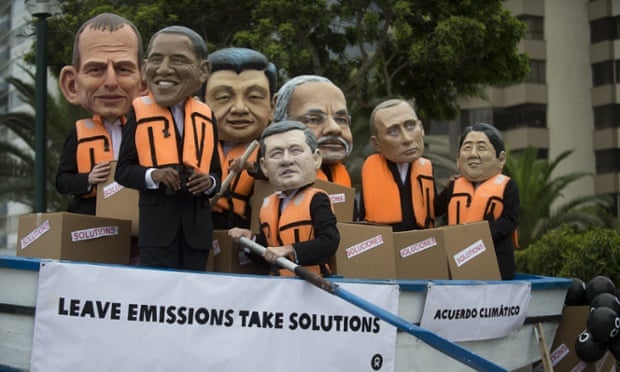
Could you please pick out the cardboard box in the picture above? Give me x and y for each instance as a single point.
(116, 201)
(229, 257)
(563, 356)
(470, 251)
(463, 252)
(365, 251)
(342, 198)
(78, 237)
(210, 261)
(262, 189)
(420, 254)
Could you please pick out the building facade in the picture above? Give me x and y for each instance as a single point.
(15, 41)
(571, 99)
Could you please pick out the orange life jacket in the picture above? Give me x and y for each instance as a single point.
(339, 175)
(94, 145)
(292, 225)
(241, 186)
(381, 197)
(469, 204)
(157, 139)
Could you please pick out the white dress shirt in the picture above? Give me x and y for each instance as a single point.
(115, 130)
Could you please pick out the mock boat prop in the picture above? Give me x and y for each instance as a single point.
(415, 348)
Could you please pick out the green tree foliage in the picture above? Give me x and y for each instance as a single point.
(17, 148)
(216, 20)
(567, 252)
(430, 50)
(540, 190)
(433, 50)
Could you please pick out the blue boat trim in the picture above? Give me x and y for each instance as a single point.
(5, 368)
(537, 281)
(20, 263)
(16, 309)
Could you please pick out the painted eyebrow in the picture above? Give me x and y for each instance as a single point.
(256, 87)
(403, 123)
(93, 63)
(316, 111)
(231, 87)
(475, 143)
(319, 111)
(126, 63)
(178, 55)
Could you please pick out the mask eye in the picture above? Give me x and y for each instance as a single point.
(342, 120)
(393, 131)
(314, 119)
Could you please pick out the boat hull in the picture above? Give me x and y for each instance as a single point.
(18, 291)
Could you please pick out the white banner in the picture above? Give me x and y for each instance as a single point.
(109, 318)
(475, 312)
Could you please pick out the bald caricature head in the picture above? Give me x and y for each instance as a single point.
(105, 74)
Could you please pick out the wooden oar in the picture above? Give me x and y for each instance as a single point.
(233, 173)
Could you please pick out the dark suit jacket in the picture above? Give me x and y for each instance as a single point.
(163, 216)
(70, 182)
(326, 236)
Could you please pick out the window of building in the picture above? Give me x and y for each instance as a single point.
(607, 116)
(540, 153)
(438, 127)
(530, 115)
(4, 97)
(3, 222)
(473, 116)
(535, 27)
(4, 104)
(607, 161)
(614, 208)
(15, 99)
(603, 73)
(603, 29)
(5, 56)
(5, 24)
(616, 64)
(538, 71)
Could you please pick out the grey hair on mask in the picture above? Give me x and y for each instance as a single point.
(286, 126)
(284, 94)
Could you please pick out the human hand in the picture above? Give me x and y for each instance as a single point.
(168, 176)
(237, 233)
(272, 254)
(99, 173)
(198, 183)
(236, 166)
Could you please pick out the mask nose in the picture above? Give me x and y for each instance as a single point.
(331, 127)
(111, 80)
(239, 105)
(164, 66)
